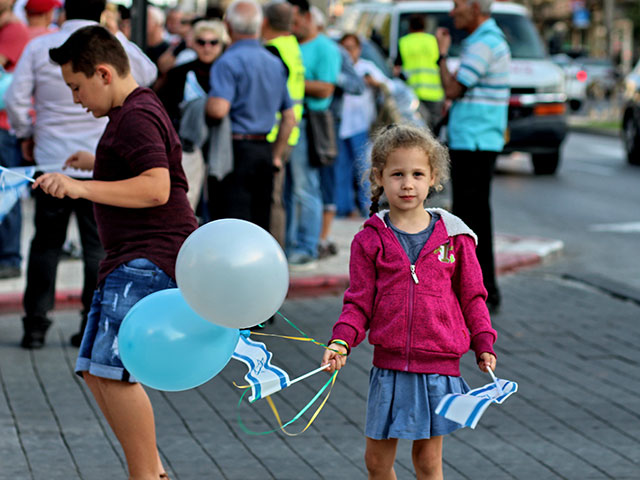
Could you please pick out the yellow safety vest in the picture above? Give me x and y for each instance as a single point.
(419, 52)
(291, 55)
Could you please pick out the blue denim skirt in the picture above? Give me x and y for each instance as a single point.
(120, 291)
(403, 404)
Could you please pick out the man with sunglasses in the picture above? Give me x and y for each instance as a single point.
(249, 84)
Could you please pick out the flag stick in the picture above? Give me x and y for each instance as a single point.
(307, 375)
(495, 380)
(8, 170)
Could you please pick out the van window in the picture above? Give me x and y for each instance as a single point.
(521, 35)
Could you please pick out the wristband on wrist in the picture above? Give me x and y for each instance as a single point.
(441, 57)
(343, 343)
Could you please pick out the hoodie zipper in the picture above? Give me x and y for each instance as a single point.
(410, 314)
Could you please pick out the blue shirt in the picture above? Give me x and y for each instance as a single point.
(254, 82)
(477, 120)
(322, 61)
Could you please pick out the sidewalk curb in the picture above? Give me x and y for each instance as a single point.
(299, 287)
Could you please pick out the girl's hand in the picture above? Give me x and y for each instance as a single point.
(487, 360)
(59, 186)
(336, 356)
(81, 160)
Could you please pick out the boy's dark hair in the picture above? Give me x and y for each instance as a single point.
(303, 5)
(84, 9)
(88, 47)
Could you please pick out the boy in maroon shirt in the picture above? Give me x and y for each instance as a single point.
(143, 216)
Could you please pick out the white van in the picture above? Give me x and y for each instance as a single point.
(537, 108)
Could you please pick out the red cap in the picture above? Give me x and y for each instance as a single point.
(41, 6)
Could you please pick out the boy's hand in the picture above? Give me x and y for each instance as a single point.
(335, 356)
(487, 360)
(80, 160)
(59, 185)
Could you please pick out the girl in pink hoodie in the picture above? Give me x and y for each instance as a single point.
(416, 286)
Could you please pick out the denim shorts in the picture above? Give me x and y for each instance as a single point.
(402, 404)
(120, 291)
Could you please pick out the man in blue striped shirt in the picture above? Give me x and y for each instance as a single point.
(479, 91)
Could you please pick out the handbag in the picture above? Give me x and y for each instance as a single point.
(321, 138)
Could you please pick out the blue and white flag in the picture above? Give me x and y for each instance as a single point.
(14, 183)
(263, 377)
(467, 408)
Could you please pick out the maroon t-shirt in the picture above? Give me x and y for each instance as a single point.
(138, 137)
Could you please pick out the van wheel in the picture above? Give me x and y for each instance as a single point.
(631, 140)
(545, 163)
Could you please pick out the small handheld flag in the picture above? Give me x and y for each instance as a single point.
(263, 377)
(467, 408)
(13, 185)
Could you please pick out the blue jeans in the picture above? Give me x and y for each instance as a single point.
(120, 291)
(303, 200)
(350, 167)
(11, 225)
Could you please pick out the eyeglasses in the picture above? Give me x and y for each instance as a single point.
(202, 42)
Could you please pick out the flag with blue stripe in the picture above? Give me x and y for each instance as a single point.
(14, 183)
(467, 408)
(263, 377)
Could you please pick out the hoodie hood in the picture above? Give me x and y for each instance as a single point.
(452, 224)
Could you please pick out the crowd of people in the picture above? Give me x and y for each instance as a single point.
(215, 125)
(255, 113)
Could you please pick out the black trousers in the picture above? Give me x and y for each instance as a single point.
(51, 221)
(245, 193)
(471, 173)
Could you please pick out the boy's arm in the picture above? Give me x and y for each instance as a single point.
(149, 189)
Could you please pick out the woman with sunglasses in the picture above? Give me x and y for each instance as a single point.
(209, 40)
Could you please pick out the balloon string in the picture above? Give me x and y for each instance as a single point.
(330, 383)
(300, 339)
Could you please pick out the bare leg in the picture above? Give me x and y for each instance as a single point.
(379, 458)
(128, 410)
(327, 220)
(427, 458)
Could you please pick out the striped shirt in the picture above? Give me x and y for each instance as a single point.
(478, 119)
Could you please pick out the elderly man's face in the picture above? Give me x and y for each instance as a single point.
(463, 14)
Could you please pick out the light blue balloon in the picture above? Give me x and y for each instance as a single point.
(167, 346)
(232, 273)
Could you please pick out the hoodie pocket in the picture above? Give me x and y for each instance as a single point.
(388, 327)
(438, 324)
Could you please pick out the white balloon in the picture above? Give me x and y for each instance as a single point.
(232, 273)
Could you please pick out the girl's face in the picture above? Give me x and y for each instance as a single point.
(406, 179)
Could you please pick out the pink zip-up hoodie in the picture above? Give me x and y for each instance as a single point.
(421, 318)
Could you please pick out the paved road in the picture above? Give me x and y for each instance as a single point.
(572, 349)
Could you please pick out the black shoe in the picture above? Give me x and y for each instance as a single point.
(327, 249)
(9, 271)
(35, 330)
(76, 339)
(33, 339)
(493, 302)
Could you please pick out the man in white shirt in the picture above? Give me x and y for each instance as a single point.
(61, 129)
